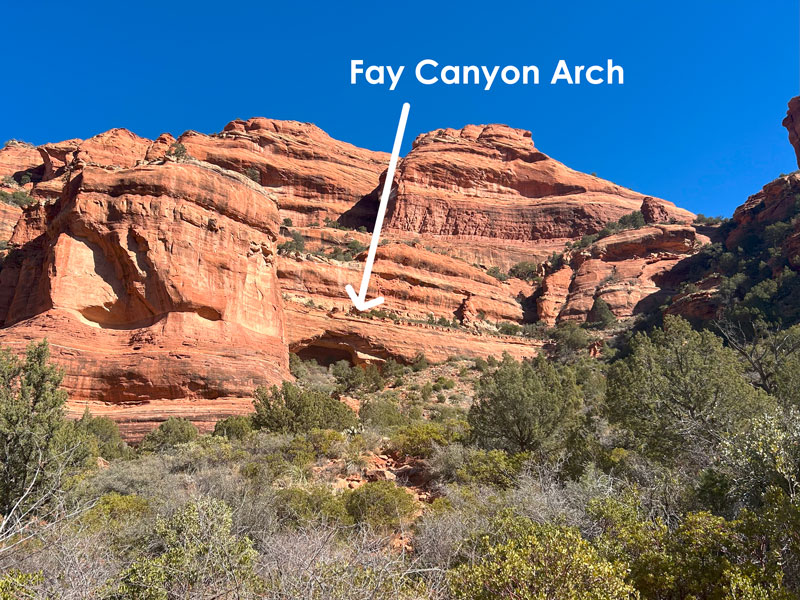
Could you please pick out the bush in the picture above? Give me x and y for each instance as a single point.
(296, 244)
(525, 270)
(527, 406)
(169, 434)
(178, 152)
(106, 435)
(536, 562)
(17, 198)
(195, 549)
(497, 273)
(420, 363)
(351, 379)
(382, 413)
(380, 504)
(420, 439)
(302, 507)
(234, 428)
(290, 409)
(601, 313)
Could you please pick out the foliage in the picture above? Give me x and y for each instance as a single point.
(634, 220)
(106, 436)
(601, 314)
(170, 433)
(525, 270)
(351, 379)
(421, 438)
(178, 152)
(679, 390)
(19, 198)
(304, 506)
(37, 446)
(296, 244)
(527, 406)
(194, 551)
(293, 409)
(234, 428)
(380, 504)
(525, 560)
(497, 273)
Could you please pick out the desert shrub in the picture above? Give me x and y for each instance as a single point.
(538, 561)
(17, 198)
(178, 152)
(170, 433)
(237, 427)
(253, 174)
(380, 504)
(15, 585)
(601, 313)
(506, 328)
(327, 442)
(420, 363)
(569, 338)
(679, 390)
(419, 439)
(38, 447)
(296, 244)
(287, 222)
(293, 409)
(473, 466)
(443, 383)
(525, 270)
(306, 506)
(634, 220)
(351, 379)
(497, 273)
(105, 436)
(382, 413)
(525, 406)
(195, 549)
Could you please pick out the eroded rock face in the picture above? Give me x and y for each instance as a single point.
(775, 202)
(626, 270)
(9, 215)
(156, 282)
(792, 124)
(18, 159)
(490, 182)
(313, 176)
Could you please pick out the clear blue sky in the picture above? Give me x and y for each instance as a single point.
(697, 120)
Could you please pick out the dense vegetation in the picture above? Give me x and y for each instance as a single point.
(671, 472)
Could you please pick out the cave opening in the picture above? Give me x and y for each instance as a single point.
(325, 354)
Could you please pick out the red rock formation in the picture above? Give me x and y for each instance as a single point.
(490, 182)
(792, 124)
(626, 270)
(151, 283)
(775, 202)
(313, 176)
(18, 159)
(9, 215)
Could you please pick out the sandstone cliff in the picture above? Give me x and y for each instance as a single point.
(152, 266)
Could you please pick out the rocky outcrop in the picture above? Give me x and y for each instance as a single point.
(154, 283)
(21, 162)
(626, 270)
(9, 215)
(313, 176)
(792, 124)
(490, 182)
(777, 201)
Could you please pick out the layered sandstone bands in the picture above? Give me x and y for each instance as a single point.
(156, 280)
(491, 182)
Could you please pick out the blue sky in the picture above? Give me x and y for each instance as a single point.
(697, 121)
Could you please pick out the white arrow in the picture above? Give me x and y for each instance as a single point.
(359, 301)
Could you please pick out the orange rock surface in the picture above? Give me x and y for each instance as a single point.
(313, 176)
(157, 282)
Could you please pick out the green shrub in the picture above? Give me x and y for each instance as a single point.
(169, 434)
(17, 585)
(382, 413)
(106, 435)
(601, 313)
(16, 198)
(296, 244)
(525, 270)
(520, 559)
(419, 439)
(380, 504)
(525, 406)
(290, 409)
(420, 363)
(307, 506)
(237, 427)
(497, 273)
